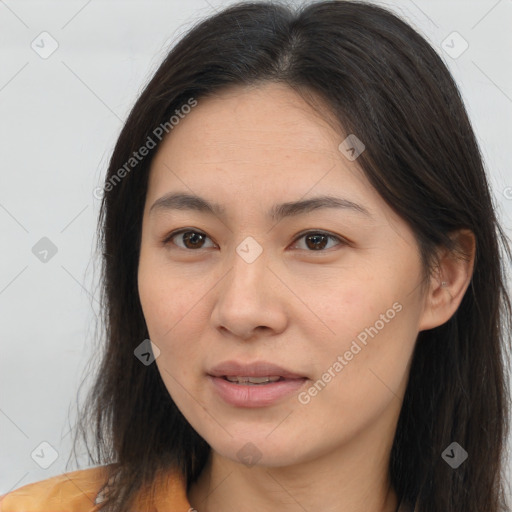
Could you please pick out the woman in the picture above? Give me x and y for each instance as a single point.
(303, 281)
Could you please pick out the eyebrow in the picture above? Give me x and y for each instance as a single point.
(183, 201)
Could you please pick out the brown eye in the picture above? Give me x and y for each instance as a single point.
(317, 241)
(193, 240)
(190, 239)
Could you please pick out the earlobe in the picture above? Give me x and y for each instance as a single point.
(450, 281)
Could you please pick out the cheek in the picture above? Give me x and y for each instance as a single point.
(172, 310)
(372, 331)
(166, 302)
(345, 307)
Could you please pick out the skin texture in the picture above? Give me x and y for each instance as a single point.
(248, 149)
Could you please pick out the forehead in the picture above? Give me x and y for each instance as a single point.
(269, 128)
(258, 143)
(262, 113)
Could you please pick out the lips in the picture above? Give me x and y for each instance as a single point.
(259, 369)
(258, 384)
(255, 395)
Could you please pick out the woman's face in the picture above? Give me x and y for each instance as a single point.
(330, 294)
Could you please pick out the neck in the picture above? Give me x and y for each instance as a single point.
(350, 479)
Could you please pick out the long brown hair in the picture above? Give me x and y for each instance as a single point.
(386, 84)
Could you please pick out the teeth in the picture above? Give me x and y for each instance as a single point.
(253, 380)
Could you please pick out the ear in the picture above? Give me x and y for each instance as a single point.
(450, 281)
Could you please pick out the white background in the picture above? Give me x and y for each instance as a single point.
(59, 119)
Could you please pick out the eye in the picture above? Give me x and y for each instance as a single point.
(191, 238)
(317, 240)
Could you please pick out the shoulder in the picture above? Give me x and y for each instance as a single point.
(69, 492)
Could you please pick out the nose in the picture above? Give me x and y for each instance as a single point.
(251, 300)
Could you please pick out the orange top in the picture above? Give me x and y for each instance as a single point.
(78, 492)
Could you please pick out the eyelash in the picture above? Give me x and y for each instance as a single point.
(168, 238)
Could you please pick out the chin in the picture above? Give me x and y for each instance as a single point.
(257, 450)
